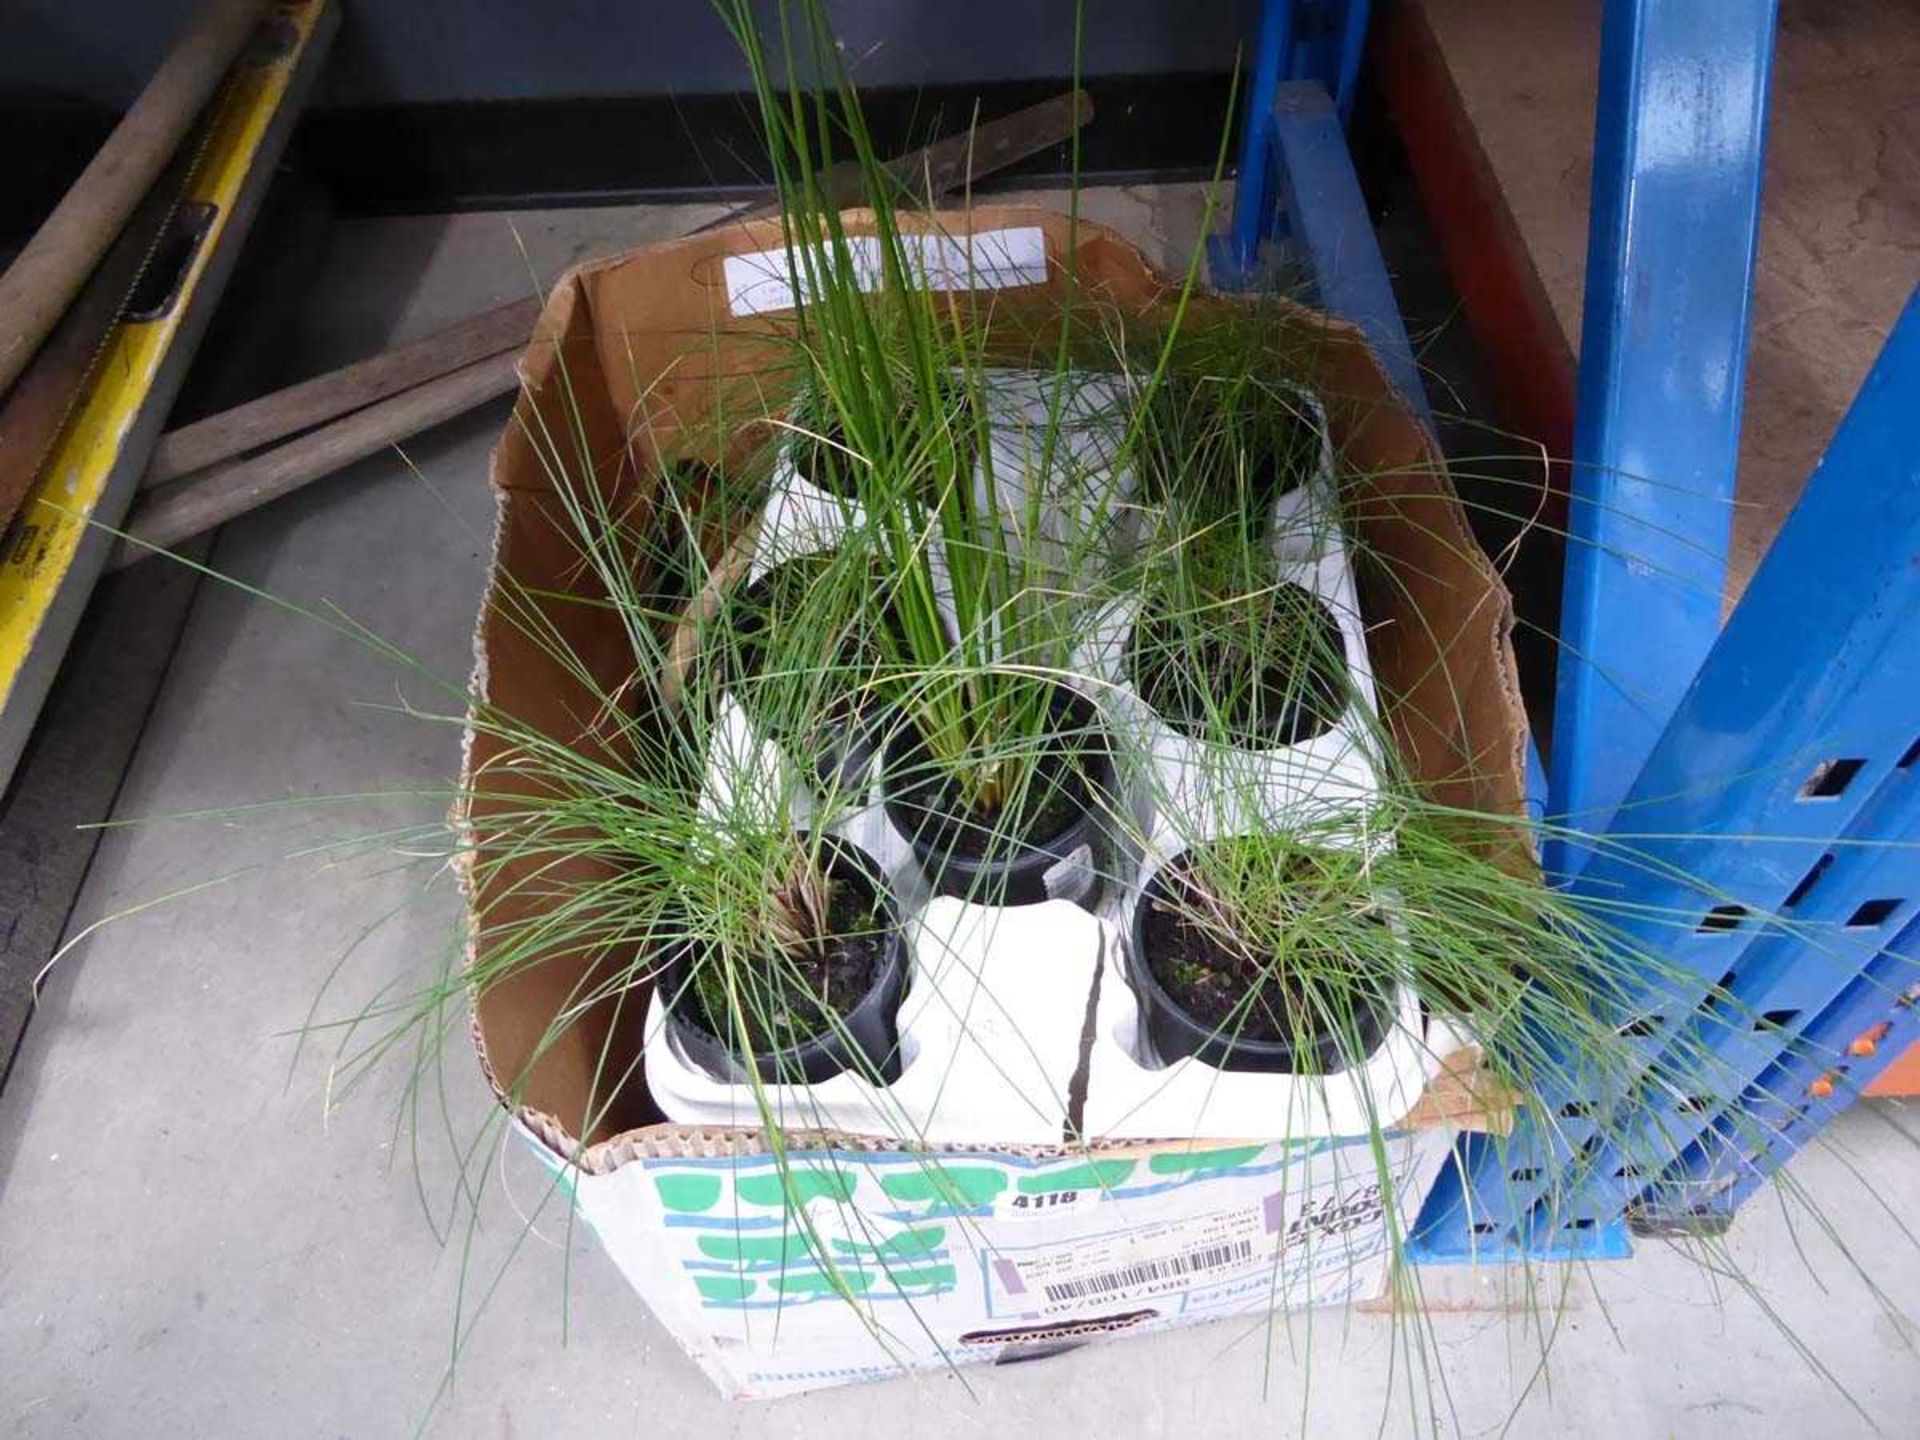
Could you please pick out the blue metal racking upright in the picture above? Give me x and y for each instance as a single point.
(1672, 238)
(1760, 780)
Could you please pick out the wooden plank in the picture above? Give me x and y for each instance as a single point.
(191, 506)
(958, 160)
(934, 169)
(339, 392)
(403, 391)
(952, 162)
(213, 497)
(49, 272)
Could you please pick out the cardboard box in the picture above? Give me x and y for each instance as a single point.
(949, 1255)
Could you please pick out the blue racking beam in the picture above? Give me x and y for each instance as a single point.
(1764, 850)
(1786, 1107)
(1831, 982)
(1297, 40)
(1679, 136)
(1311, 179)
(1252, 210)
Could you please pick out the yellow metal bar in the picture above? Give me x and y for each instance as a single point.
(59, 538)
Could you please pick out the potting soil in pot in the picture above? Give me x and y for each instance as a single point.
(823, 1004)
(816, 984)
(1274, 675)
(1305, 1011)
(1044, 840)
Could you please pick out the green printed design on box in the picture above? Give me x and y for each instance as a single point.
(813, 1282)
(751, 1249)
(725, 1288)
(1186, 1162)
(795, 1188)
(688, 1194)
(1094, 1175)
(907, 1245)
(962, 1186)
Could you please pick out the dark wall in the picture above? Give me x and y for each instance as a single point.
(420, 51)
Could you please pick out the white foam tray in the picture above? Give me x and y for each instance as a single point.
(990, 1038)
(995, 1008)
(1133, 1094)
(1134, 1098)
(1180, 793)
(992, 1024)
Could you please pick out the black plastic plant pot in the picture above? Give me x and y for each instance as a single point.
(1203, 681)
(1256, 463)
(1289, 457)
(992, 863)
(822, 456)
(1176, 1032)
(840, 735)
(866, 1037)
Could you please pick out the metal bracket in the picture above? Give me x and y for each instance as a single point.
(1318, 40)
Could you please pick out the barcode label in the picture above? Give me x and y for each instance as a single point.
(1146, 1272)
(1272, 1247)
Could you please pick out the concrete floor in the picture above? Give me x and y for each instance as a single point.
(193, 1243)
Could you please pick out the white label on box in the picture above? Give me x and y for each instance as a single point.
(1169, 1256)
(990, 260)
(1127, 1265)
